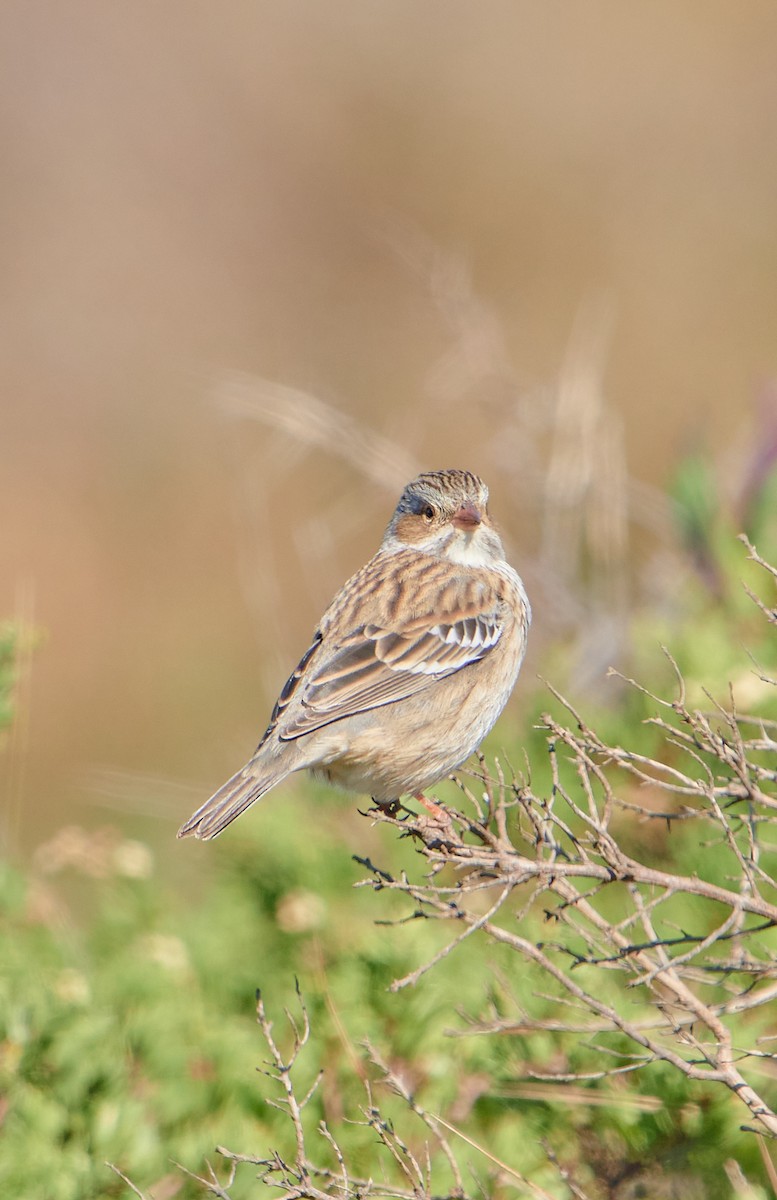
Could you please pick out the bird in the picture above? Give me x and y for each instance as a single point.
(410, 666)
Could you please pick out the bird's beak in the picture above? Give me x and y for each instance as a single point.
(468, 517)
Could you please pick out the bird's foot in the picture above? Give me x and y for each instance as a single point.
(389, 808)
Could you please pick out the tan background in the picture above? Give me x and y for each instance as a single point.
(424, 215)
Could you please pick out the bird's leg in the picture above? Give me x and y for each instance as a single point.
(429, 805)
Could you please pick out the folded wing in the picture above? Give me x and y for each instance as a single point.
(374, 666)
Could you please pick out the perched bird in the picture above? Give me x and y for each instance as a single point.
(410, 666)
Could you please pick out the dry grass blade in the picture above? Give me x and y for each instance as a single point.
(136, 1191)
(312, 422)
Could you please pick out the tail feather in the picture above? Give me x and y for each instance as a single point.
(236, 795)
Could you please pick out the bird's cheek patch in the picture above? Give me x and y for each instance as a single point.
(411, 528)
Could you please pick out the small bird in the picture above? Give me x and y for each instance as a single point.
(410, 666)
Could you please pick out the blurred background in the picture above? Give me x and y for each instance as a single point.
(263, 261)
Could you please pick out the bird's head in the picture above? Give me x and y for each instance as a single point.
(445, 513)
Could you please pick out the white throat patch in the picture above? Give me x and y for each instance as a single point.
(470, 551)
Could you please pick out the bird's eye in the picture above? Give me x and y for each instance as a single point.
(428, 513)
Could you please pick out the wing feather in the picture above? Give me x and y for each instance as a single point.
(374, 666)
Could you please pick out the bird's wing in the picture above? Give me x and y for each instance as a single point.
(375, 665)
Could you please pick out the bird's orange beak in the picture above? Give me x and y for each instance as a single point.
(467, 518)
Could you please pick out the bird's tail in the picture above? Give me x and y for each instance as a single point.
(236, 795)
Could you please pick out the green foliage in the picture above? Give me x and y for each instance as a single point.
(131, 1037)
